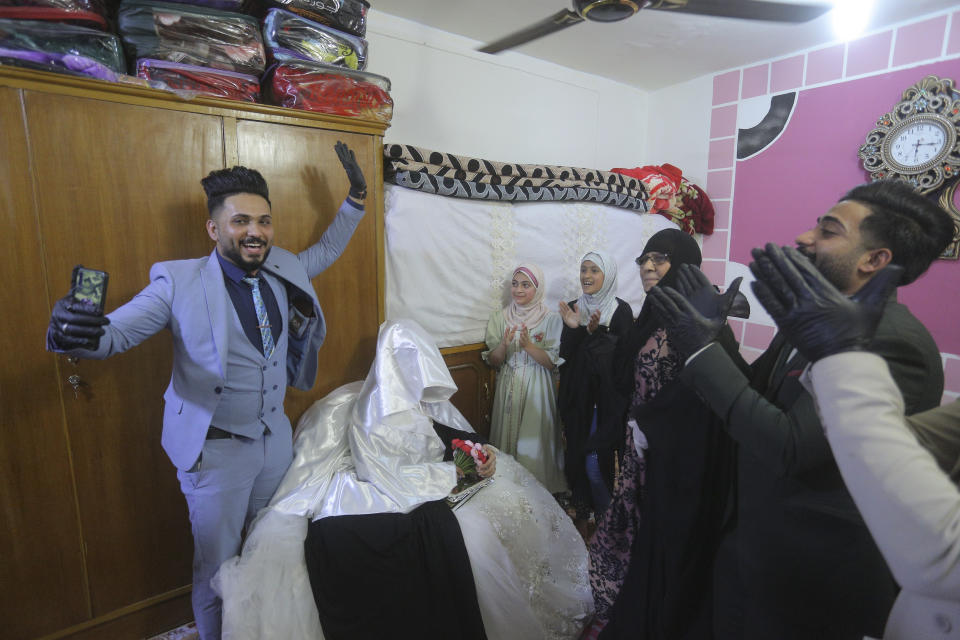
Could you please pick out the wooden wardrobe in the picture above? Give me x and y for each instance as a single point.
(95, 540)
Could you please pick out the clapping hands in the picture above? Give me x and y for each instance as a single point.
(571, 317)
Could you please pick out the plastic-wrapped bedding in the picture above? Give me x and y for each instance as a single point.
(62, 46)
(236, 6)
(192, 35)
(311, 86)
(343, 15)
(91, 13)
(289, 36)
(202, 80)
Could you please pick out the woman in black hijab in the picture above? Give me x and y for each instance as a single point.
(652, 558)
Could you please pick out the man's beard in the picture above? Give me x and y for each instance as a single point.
(247, 264)
(838, 270)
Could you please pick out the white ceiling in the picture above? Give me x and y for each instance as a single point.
(652, 49)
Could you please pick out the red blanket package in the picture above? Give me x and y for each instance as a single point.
(329, 89)
(87, 13)
(202, 80)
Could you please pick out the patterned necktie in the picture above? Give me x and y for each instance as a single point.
(263, 322)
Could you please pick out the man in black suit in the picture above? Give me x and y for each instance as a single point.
(797, 561)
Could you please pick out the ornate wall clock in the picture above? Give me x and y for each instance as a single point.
(917, 141)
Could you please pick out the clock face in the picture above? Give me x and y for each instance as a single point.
(918, 143)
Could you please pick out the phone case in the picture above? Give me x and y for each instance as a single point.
(92, 292)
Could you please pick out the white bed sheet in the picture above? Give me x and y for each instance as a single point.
(449, 260)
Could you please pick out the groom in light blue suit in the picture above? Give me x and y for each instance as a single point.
(246, 323)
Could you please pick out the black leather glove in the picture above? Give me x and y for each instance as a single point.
(74, 326)
(358, 184)
(693, 323)
(694, 285)
(814, 316)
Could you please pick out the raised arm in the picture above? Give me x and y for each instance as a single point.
(325, 252)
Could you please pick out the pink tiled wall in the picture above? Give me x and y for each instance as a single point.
(951, 375)
(754, 81)
(726, 87)
(825, 65)
(786, 74)
(721, 214)
(723, 121)
(719, 183)
(869, 54)
(715, 245)
(722, 153)
(919, 41)
(880, 65)
(953, 42)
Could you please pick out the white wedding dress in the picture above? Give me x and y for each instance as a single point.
(370, 448)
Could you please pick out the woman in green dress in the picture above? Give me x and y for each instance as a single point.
(523, 342)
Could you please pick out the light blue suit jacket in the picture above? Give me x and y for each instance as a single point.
(189, 298)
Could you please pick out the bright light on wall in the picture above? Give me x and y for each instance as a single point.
(850, 17)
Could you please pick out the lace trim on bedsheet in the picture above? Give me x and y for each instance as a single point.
(503, 251)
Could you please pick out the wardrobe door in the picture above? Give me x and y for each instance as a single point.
(307, 185)
(118, 189)
(41, 563)
(474, 380)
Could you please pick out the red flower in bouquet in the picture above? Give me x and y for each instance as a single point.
(466, 456)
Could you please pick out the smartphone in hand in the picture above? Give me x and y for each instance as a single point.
(89, 287)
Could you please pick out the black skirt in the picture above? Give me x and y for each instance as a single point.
(393, 575)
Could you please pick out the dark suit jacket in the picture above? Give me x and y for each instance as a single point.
(804, 553)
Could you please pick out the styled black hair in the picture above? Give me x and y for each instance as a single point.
(223, 183)
(914, 228)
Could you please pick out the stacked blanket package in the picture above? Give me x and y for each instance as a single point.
(208, 47)
(191, 35)
(204, 80)
(89, 13)
(349, 16)
(291, 37)
(61, 48)
(299, 84)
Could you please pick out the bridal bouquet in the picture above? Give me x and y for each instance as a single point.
(466, 456)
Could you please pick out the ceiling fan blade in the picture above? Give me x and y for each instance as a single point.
(556, 22)
(744, 9)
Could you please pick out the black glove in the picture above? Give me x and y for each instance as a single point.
(694, 285)
(74, 326)
(692, 324)
(814, 316)
(358, 184)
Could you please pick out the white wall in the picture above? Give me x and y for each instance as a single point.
(509, 107)
(679, 127)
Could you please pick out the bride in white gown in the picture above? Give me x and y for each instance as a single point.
(369, 447)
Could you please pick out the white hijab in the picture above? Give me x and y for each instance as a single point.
(372, 448)
(606, 298)
(535, 311)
